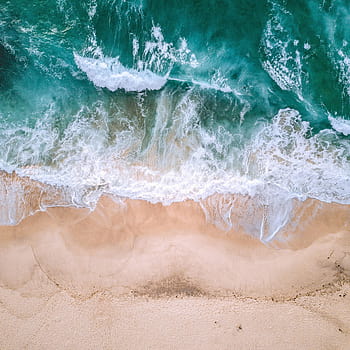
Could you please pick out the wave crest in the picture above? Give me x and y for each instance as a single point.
(109, 73)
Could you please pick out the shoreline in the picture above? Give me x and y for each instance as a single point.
(137, 243)
(84, 273)
(24, 197)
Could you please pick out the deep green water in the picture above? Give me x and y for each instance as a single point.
(169, 100)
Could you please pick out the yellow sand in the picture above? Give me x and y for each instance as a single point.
(147, 276)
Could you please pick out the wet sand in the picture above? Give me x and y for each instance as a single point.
(136, 275)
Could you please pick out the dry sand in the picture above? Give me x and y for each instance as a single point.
(147, 276)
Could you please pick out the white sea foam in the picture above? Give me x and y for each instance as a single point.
(160, 55)
(279, 164)
(283, 59)
(343, 63)
(153, 62)
(315, 167)
(341, 125)
(108, 72)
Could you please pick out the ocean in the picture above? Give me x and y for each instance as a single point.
(241, 106)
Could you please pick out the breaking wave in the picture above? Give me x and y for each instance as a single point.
(111, 74)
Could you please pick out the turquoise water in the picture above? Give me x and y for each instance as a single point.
(175, 100)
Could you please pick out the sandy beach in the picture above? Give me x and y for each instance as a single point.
(136, 275)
